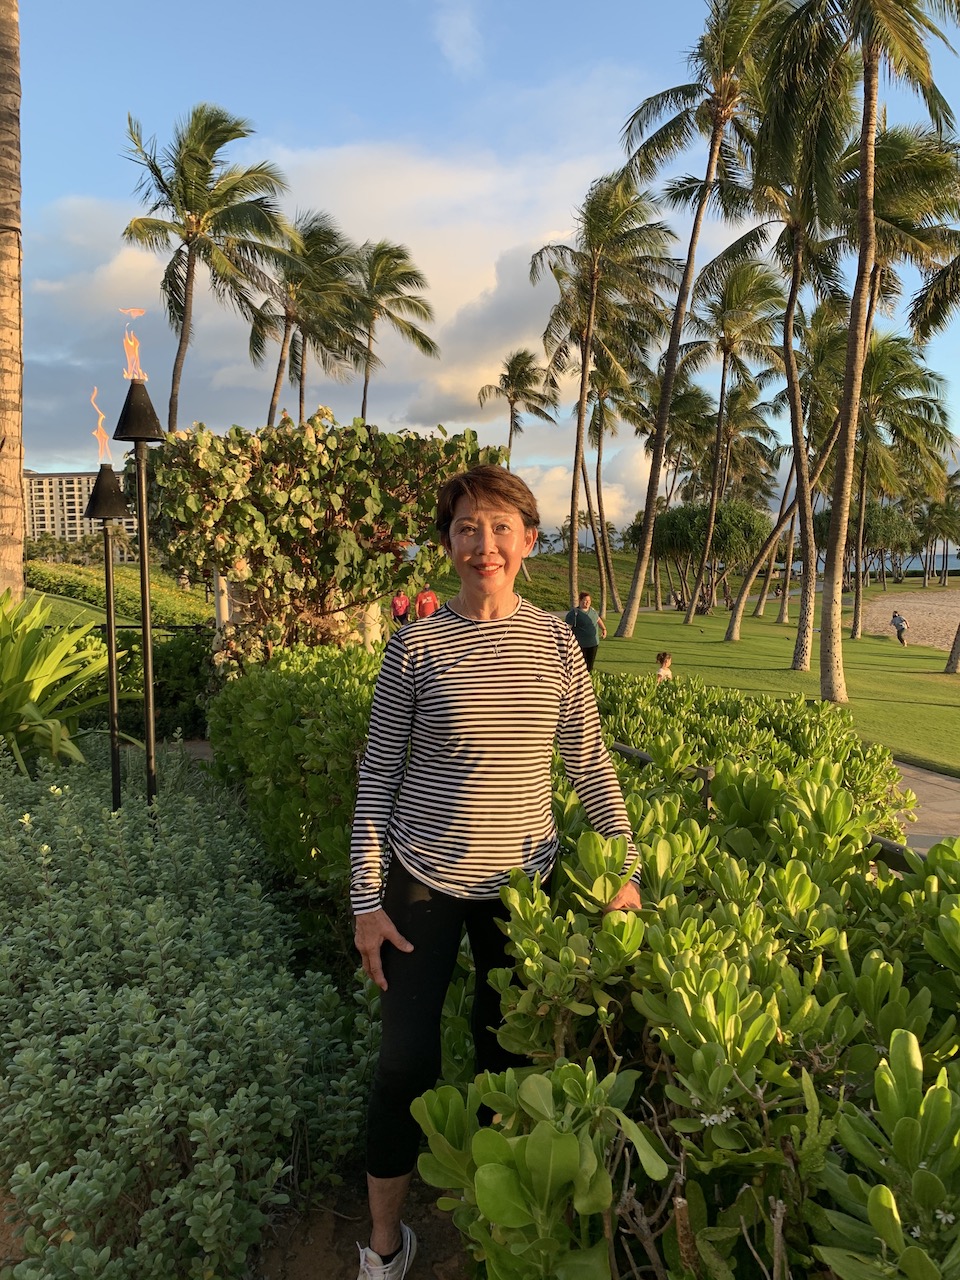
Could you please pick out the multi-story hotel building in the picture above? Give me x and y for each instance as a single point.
(55, 502)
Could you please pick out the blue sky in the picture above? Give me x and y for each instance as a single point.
(468, 130)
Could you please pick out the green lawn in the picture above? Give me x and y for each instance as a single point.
(900, 697)
(66, 612)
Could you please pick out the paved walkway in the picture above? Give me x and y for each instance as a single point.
(938, 806)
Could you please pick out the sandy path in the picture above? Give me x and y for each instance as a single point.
(933, 616)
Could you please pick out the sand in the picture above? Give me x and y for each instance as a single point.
(933, 616)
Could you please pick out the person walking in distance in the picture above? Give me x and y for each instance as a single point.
(901, 626)
(454, 794)
(400, 607)
(427, 603)
(587, 625)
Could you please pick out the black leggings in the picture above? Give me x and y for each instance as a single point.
(410, 1008)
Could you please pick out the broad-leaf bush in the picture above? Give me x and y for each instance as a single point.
(788, 1002)
(164, 1070)
(290, 734)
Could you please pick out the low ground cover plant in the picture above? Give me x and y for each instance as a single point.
(166, 1077)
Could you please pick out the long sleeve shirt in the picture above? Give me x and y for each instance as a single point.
(455, 781)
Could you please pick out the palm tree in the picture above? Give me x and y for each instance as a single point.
(618, 259)
(309, 300)
(737, 316)
(902, 429)
(725, 67)
(386, 284)
(217, 214)
(527, 388)
(815, 37)
(11, 329)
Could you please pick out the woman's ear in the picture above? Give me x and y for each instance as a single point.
(529, 541)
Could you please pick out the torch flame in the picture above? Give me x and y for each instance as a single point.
(131, 345)
(103, 442)
(132, 312)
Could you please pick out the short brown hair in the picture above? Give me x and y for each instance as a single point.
(485, 485)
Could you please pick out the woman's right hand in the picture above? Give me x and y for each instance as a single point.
(371, 931)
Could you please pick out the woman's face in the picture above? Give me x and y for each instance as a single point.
(487, 545)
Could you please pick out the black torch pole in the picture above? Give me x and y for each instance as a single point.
(113, 696)
(149, 720)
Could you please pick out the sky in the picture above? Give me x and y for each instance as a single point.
(468, 130)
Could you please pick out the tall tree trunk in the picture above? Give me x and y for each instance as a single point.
(714, 494)
(833, 686)
(856, 626)
(597, 549)
(303, 379)
(11, 310)
(771, 560)
(750, 577)
(783, 616)
(629, 619)
(604, 534)
(189, 285)
(801, 469)
(953, 661)
(281, 370)
(586, 346)
(367, 365)
(511, 432)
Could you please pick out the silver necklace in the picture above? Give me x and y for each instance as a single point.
(484, 632)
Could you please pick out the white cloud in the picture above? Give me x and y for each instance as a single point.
(457, 33)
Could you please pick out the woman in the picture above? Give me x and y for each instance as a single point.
(454, 793)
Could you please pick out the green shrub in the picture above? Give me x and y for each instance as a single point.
(166, 1078)
(48, 678)
(789, 1005)
(170, 605)
(290, 735)
(184, 680)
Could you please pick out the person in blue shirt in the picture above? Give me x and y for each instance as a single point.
(587, 625)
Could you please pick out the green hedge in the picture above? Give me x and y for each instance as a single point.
(170, 605)
(166, 1076)
(290, 735)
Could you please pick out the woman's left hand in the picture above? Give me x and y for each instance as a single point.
(628, 899)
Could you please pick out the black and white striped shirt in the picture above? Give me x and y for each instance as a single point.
(455, 781)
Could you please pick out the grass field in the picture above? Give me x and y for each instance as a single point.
(72, 613)
(900, 697)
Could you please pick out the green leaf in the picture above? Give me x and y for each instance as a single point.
(501, 1197)
(553, 1161)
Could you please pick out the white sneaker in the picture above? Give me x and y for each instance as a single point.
(373, 1268)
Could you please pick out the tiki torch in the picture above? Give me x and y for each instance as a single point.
(107, 504)
(138, 424)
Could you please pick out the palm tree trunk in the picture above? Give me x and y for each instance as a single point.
(11, 311)
(281, 370)
(303, 381)
(367, 364)
(856, 626)
(714, 494)
(953, 661)
(629, 619)
(604, 534)
(597, 548)
(833, 686)
(750, 577)
(180, 357)
(586, 346)
(783, 616)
